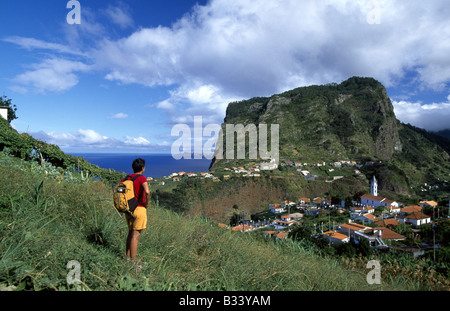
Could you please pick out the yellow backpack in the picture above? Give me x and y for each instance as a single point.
(124, 199)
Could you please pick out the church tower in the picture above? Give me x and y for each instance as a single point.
(374, 186)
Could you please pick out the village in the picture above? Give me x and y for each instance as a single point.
(374, 218)
(333, 170)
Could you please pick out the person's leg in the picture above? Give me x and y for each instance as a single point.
(132, 243)
(135, 226)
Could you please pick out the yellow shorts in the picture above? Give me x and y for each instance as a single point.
(140, 222)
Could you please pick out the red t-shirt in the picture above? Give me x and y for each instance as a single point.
(139, 192)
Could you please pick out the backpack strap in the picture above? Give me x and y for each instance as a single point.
(135, 177)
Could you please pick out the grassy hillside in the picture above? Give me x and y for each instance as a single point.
(46, 222)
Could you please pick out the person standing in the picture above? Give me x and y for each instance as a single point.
(139, 222)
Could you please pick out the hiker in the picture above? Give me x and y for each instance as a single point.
(139, 223)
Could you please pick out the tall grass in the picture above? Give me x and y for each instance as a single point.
(45, 223)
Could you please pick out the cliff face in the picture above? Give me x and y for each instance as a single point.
(354, 119)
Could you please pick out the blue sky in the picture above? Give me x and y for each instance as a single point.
(121, 80)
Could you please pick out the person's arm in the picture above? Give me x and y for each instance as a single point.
(146, 193)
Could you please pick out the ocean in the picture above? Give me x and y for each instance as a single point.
(156, 165)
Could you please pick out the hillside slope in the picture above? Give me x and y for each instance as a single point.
(46, 223)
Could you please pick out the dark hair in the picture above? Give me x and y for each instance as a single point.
(138, 165)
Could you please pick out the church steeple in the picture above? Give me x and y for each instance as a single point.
(374, 186)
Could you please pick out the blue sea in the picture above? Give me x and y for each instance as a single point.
(156, 165)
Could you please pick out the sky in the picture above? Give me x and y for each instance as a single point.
(122, 78)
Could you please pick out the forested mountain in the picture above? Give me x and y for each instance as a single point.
(353, 120)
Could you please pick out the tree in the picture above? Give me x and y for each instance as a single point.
(5, 102)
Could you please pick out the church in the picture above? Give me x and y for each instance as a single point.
(373, 199)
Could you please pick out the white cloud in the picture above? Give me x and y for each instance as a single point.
(432, 117)
(52, 75)
(237, 48)
(31, 44)
(139, 141)
(119, 15)
(119, 115)
(196, 99)
(88, 138)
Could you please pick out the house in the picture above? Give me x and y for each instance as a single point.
(296, 216)
(376, 201)
(379, 236)
(318, 200)
(161, 183)
(410, 209)
(287, 203)
(272, 165)
(336, 237)
(304, 201)
(191, 175)
(242, 228)
(4, 112)
(357, 211)
(281, 224)
(428, 203)
(389, 223)
(416, 219)
(350, 229)
(282, 235)
(176, 179)
(240, 170)
(393, 209)
(276, 209)
(367, 218)
(286, 217)
(304, 172)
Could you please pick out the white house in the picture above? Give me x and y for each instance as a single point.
(269, 166)
(362, 209)
(4, 113)
(336, 237)
(376, 201)
(351, 229)
(304, 201)
(276, 209)
(393, 209)
(281, 224)
(416, 219)
(287, 204)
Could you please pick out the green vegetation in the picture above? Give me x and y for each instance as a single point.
(46, 222)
